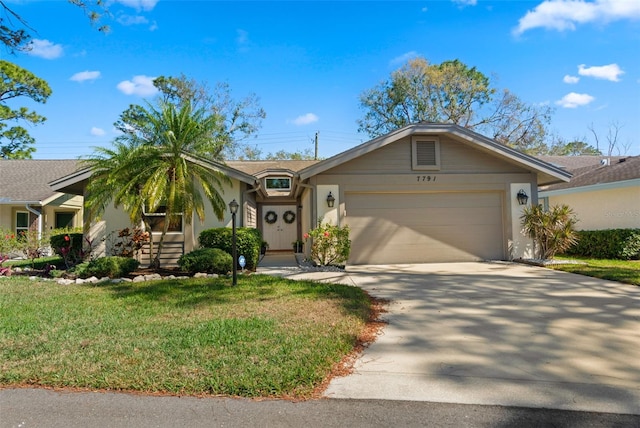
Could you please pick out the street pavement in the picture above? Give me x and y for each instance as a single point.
(40, 408)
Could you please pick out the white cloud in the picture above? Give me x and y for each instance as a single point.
(44, 49)
(607, 72)
(153, 26)
(571, 79)
(140, 85)
(139, 4)
(305, 119)
(566, 14)
(132, 20)
(85, 75)
(403, 58)
(98, 132)
(573, 100)
(465, 2)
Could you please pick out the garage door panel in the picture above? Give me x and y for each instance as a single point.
(426, 216)
(415, 228)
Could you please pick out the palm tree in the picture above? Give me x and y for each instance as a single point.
(153, 166)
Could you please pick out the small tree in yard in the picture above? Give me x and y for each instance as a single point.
(552, 231)
(331, 244)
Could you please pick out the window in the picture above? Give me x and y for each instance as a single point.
(157, 219)
(22, 222)
(64, 220)
(278, 183)
(425, 153)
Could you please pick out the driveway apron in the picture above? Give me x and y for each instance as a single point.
(497, 334)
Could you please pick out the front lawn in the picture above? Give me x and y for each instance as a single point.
(267, 337)
(627, 271)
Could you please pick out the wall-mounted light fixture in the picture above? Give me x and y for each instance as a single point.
(330, 200)
(522, 197)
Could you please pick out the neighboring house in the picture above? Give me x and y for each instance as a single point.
(27, 201)
(604, 191)
(424, 193)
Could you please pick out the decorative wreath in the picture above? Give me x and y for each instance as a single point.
(271, 217)
(289, 217)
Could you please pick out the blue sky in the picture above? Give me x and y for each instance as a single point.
(308, 62)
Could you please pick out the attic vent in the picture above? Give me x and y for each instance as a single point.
(425, 153)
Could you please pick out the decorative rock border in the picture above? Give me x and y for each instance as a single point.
(106, 279)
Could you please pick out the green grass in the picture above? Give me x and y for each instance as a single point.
(627, 271)
(266, 337)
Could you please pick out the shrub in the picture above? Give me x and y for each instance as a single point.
(330, 244)
(71, 247)
(112, 266)
(552, 231)
(248, 241)
(209, 260)
(8, 242)
(621, 244)
(128, 242)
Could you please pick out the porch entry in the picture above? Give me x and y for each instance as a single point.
(279, 234)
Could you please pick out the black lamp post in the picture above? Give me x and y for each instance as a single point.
(522, 197)
(233, 207)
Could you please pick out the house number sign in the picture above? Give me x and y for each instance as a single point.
(426, 178)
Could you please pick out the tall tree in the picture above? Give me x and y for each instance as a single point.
(16, 82)
(150, 169)
(575, 147)
(452, 92)
(237, 119)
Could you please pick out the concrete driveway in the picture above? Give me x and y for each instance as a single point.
(497, 334)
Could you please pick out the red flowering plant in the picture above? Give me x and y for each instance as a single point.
(330, 245)
(72, 247)
(8, 245)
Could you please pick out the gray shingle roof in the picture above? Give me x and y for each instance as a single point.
(28, 180)
(255, 167)
(587, 172)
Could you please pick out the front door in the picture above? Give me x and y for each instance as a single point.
(275, 230)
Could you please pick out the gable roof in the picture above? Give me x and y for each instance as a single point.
(619, 169)
(546, 172)
(27, 180)
(76, 182)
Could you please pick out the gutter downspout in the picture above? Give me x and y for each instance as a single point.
(39, 215)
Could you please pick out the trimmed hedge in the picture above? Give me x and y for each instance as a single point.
(209, 260)
(623, 244)
(111, 266)
(248, 241)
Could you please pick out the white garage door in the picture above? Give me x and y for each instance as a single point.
(424, 228)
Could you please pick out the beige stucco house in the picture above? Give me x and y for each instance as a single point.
(604, 192)
(424, 193)
(28, 202)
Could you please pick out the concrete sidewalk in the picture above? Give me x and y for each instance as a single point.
(496, 334)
